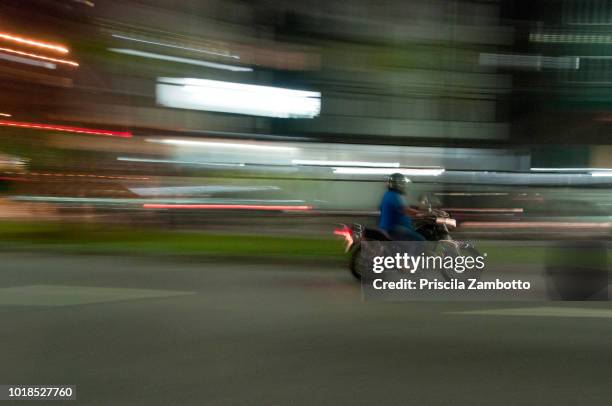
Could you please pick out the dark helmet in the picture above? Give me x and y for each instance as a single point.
(397, 182)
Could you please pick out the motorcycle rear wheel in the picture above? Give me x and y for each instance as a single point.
(357, 262)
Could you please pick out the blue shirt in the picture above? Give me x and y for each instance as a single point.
(392, 212)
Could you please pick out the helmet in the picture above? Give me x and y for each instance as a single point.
(397, 182)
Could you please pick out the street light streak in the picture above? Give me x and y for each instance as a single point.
(533, 224)
(571, 169)
(177, 59)
(311, 162)
(162, 44)
(52, 47)
(389, 171)
(70, 129)
(27, 61)
(172, 161)
(238, 145)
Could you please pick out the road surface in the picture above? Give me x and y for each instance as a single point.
(150, 331)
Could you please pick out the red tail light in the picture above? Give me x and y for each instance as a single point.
(347, 234)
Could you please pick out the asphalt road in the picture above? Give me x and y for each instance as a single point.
(143, 331)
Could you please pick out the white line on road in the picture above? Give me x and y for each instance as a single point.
(542, 311)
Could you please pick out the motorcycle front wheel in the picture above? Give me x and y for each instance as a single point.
(458, 249)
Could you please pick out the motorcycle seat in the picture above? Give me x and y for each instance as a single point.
(377, 234)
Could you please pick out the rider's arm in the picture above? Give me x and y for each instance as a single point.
(412, 212)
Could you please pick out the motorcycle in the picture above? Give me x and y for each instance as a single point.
(434, 225)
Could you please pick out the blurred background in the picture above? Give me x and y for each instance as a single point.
(273, 117)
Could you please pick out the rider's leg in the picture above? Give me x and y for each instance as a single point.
(401, 233)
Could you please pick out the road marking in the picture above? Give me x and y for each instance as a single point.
(542, 311)
(64, 295)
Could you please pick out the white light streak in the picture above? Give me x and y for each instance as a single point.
(238, 98)
(571, 169)
(214, 144)
(27, 61)
(177, 59)
(165, 44)
(175, 162)
(345, 163)
(383, 171)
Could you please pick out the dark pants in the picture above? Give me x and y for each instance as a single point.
(401, 233)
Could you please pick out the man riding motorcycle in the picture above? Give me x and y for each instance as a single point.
(395, 224)
(393, 211)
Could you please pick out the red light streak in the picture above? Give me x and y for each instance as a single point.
(8, 178)
(226, 207)
(347, 234)
(64, 128)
